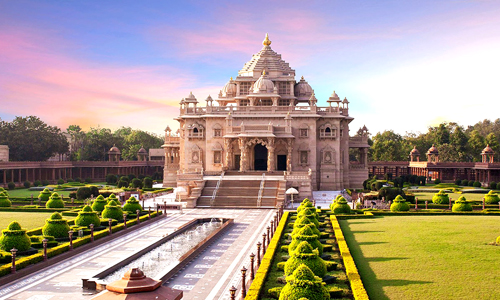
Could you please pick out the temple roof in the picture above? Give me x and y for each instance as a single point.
(266, 59)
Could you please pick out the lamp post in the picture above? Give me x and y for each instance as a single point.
(13, 267)
(44, 242)
(125, 221)
(70, 233)
(91, 232)
(258, 254)
(252, 272)
(110, 222)
(243, 284)
(232, 292)
(263, 244)
(149, 212)
(138, 219)
(268, 239)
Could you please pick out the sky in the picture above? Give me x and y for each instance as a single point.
(403, 65)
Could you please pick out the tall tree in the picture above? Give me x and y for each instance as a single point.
(387, 146)
(458, 140)
(476, 145)
(31, 139)
(492, 140)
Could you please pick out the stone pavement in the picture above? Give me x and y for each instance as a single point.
(212, 273)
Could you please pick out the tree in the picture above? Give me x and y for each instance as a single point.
(442, 134)
(77, 138)
(492, 140)
(476, 145)
(387, 146)
(31, 139)
(458, 140)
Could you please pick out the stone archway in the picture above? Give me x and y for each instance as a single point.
(260, 157)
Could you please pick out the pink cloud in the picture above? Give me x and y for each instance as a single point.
(38, 78)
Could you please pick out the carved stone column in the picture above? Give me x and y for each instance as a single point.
(289, 147)
(244, 155)
(270, 154)
(229, 153)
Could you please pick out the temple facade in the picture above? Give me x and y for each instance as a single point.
(266, 121)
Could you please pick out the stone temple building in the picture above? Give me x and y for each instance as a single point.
(265, 124)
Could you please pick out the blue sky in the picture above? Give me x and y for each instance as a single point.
(403, 65)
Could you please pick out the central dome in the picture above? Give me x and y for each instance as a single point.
(263, 85)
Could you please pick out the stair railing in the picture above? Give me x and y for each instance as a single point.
(212, 200)
(261, 189)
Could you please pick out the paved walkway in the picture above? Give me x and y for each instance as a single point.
(212, 272)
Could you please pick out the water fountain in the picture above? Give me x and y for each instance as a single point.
(165, 257)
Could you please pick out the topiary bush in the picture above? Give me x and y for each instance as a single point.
(112, 211)
(4, 200)
(492, 185)
(60, 181)
(311, 214)
(400, 204)
(136, 183)
(111, 179)
(27, 184)
(305, 203)
(304, 284)
(132, 205)
(14, 237)
(491, 198)
(304, 254)
(87, 216)
(476, 184)
(498, 186)
(341, 207)
(464, 182)
(147, 182)
(498, 240)
(437, 181)
(303, 221)
(99, 203)
(307, 234)
(44, 195)
(55, 201)
(11, 185)
(112, 197)
(56, 226)
(458, 182)
(461, 205)
(45, 182)
(37, 183)
(441, 198)
(471, 183)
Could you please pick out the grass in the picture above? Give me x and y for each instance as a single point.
(27, 193)
(426, 257)
(453, 196)
(28, 220)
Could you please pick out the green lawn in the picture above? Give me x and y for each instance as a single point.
(453, 196)
(426, 257)
(28, 220)
(27, 193)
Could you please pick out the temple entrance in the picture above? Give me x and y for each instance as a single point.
(281, 163)
(260, 156)
(237, 158)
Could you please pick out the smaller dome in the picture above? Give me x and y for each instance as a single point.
(263, 85)
(142, 150)
(229, 90)
(345, 100)
(414, 151)
(191, 98)
(114, 149)
(303, 89)
(487, 150)
(209, 99)
(168, 129)
(333, 98)
(432, 150)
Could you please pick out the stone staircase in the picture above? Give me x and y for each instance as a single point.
(243, 193)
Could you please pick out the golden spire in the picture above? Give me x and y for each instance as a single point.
(266, 41)
(264, 72)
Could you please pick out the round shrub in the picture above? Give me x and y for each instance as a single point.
(112, 197)
(14, 237)
(306, 233)
(492, 185)
(132, 205)
(476, 184)
(491, 198)
(304, 254)
(44, 195)
(305, 203)
(400, 204)
(55, 201)
(99, 203)
(70, 180)
(471, 183)
(45, 182)
(37, 183)
(304, 284)
(56, 226)
(60, 181)
(111, 179)
(437, 181)
(311, 214)
(11, 185)
(78, 179)
(27, 184)
(461, 205)
(4, 200)
(464, 182)
(86, 217)
(112, 211)
(122, 183)
(441, 198)
(136, 183)
(498, 186)
(458, 182)
(334, 201)
(341, 207)
(303, 221)
(147, 182)
(88, 180)
(498, 240)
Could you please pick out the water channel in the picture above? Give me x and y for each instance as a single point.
(166, 256)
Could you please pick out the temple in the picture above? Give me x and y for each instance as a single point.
(263, 123)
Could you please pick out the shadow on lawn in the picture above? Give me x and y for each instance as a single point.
(366, 231)
(372, 243)
(381, 259)
(401, 282)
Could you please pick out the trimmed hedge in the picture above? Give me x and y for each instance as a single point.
(461, 205)
(45, 195)
(265, 265)
(132, 205)
(55, 201)
(400, 204)
(304, 254)
(56, 226)
(341, 206)
(112, 211)
(99, 203)
(441, 198)
(306, 233)
(14, 237)
(303, 221)
(358, 290)
(4, 200)
(491, 198)
(86, 217)
(304, 284)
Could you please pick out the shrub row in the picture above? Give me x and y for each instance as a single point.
(265, 265)
(32, 259)
(358, 290)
